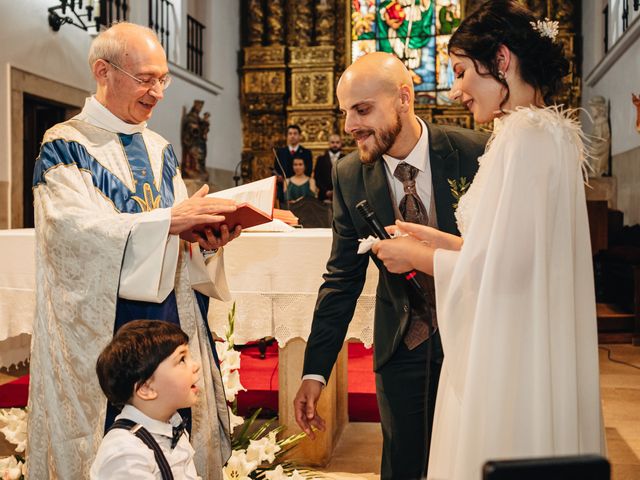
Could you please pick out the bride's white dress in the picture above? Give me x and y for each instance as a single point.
(516, 306)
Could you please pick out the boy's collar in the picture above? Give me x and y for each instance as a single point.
(152, 425)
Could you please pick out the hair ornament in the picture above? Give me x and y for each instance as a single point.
(546, 28)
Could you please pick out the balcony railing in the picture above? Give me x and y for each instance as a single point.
(113, 11)
(160, 12)
(194, 45)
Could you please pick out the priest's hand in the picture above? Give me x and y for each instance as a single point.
(199, 210)
(210, 240)
(305, 407)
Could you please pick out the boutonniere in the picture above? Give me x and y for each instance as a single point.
(458, 189)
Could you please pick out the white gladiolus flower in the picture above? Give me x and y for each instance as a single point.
(234, 420)
(231, 359)
(221, 349)
(276, 474)
(14, 427)
(10, 468)
(264, 449)
(227, 356)
(238, 468)
(232, 385)
(256, 450)
(272, 446)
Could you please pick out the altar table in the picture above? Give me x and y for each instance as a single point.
(274, 280)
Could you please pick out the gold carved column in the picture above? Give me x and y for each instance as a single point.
(312, 72)
(263, 86)
(312, 94)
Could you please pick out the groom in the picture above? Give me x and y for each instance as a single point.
(401, 168)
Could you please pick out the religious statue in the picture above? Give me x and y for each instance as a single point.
(601, 137)
(194, 133)
(636, 101)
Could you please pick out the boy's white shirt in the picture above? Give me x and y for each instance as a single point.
(123, 456)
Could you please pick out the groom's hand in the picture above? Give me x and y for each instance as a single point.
(305, 407)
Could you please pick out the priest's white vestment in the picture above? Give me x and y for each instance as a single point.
(516, 306)
(103, 191)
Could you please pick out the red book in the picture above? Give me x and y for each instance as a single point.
(255, 203)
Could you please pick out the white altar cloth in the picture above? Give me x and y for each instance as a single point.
(274, 280)
(273, 277)
(17, 294)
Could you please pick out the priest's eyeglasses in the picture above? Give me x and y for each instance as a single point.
(149, 84)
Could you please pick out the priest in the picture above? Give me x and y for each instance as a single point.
(118, 239)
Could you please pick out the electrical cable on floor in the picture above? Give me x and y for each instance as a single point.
(610, 358)
(275, 369)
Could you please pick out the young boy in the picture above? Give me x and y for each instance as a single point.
(148, 370)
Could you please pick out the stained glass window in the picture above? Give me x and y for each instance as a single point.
(417, 32)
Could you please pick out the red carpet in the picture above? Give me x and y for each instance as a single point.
(260, 378)
(15, 393)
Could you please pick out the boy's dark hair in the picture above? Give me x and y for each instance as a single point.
(295, 127)
(133, 355)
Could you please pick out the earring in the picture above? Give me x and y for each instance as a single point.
(501, 75)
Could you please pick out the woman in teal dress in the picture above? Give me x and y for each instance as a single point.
(300, 185)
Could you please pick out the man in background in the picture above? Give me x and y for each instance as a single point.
(283, 164)
(324, 165)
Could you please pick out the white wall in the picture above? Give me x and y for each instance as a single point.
(29, 43)
(619, 81)
(221, 45)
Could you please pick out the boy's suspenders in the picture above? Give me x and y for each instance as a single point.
(144, 435)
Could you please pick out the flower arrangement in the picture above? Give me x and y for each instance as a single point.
(13, 424)
(257, 452)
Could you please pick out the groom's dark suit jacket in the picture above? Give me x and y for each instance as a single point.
(453, 154)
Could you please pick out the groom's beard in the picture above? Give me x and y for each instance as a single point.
(383, 140)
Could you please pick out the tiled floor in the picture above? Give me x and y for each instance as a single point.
(358, 453)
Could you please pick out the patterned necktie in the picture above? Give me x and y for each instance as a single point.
(422, 318)
(411, 207)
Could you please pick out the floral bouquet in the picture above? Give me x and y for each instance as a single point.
(13, 424)
(256, 455)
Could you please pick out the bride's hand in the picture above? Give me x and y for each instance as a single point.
(432, 237)
(397, 254)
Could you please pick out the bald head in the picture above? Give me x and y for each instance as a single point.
(378, 72)
(376, 95)
(122, 41)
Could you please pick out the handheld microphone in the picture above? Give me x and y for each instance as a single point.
(367, 214)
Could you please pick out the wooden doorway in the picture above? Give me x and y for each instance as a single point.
(37, 103)
(40, 114)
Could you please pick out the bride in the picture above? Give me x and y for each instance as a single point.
(515, 294)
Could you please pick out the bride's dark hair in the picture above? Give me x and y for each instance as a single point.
(506, 22)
